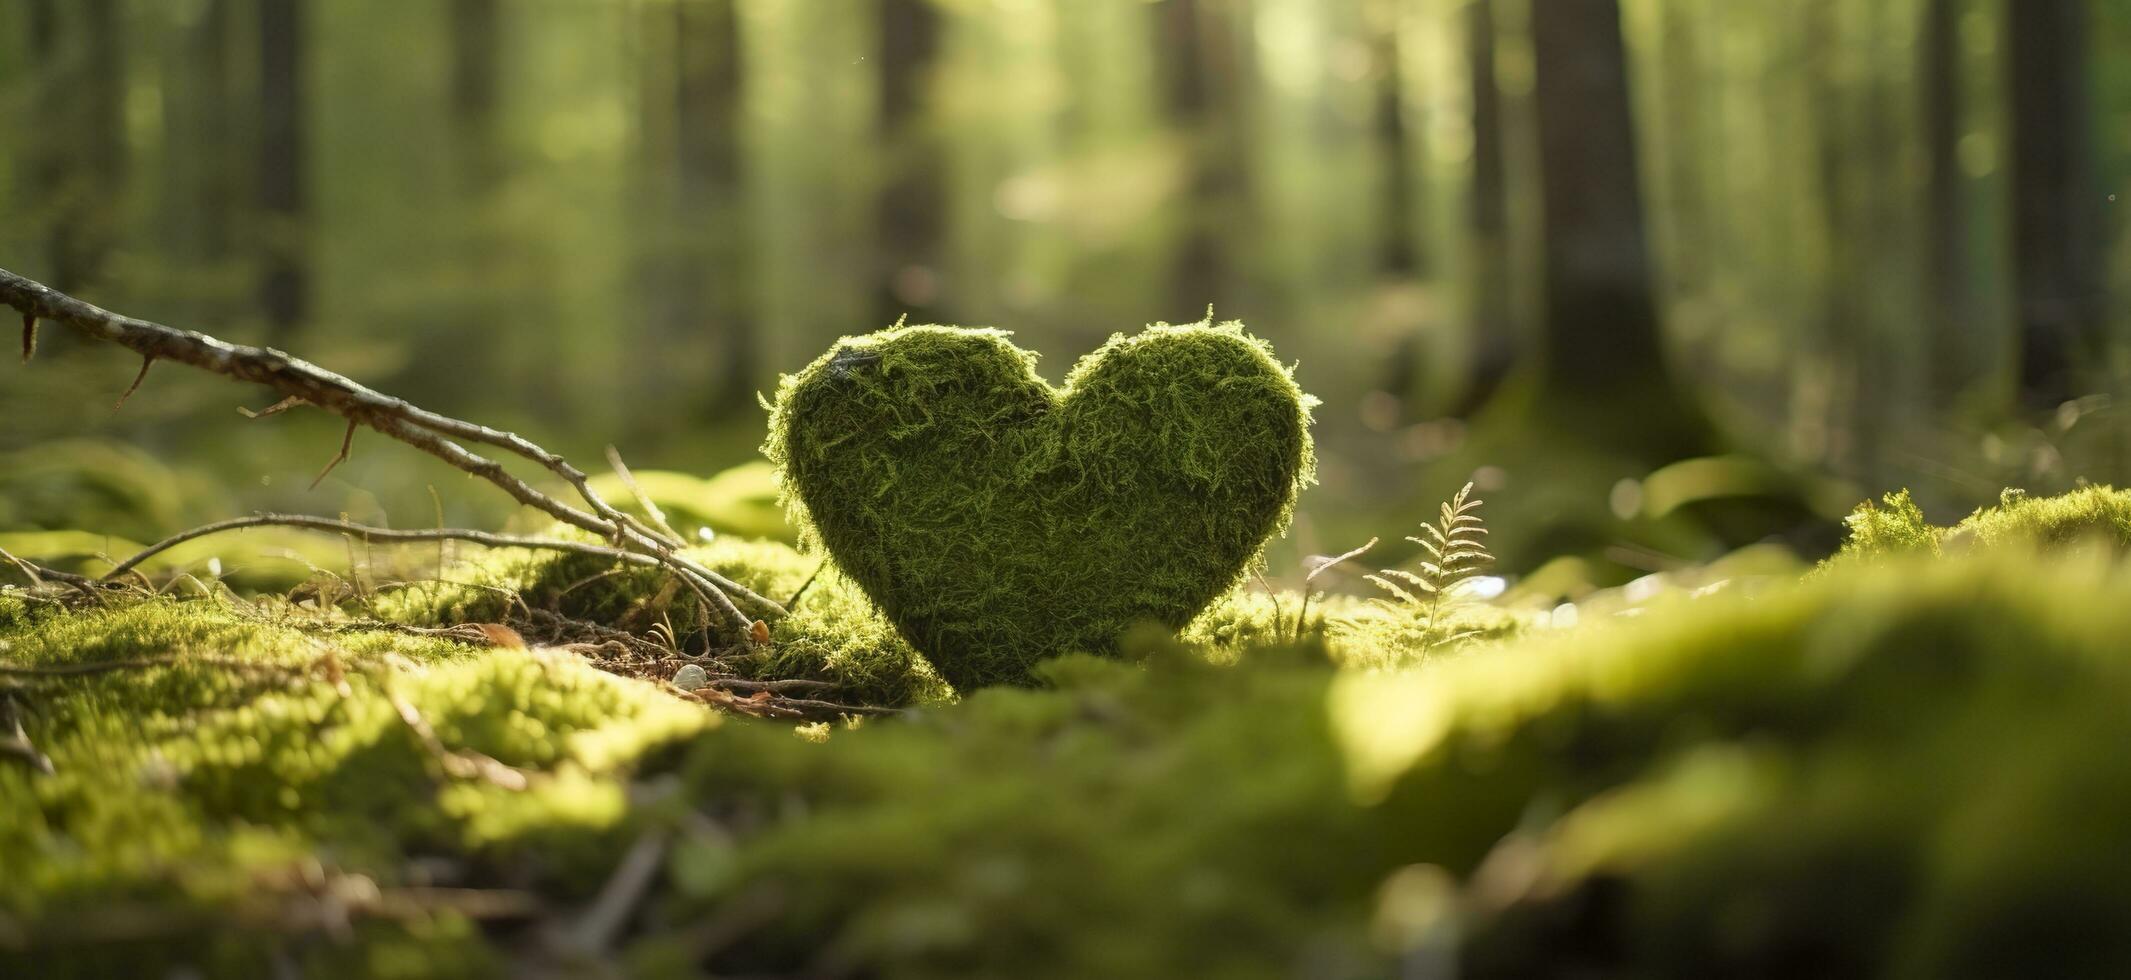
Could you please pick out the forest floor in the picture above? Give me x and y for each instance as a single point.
(1907, 761)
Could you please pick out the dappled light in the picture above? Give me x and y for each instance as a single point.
(1065, 488)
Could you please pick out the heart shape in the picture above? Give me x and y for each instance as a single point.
(998, 521)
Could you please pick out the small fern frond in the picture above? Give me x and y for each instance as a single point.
(1388, 586)
(1455, 554)
(1420, 583)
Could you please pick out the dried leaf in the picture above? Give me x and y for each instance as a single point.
(500, 635)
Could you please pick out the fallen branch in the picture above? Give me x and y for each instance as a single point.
(372, 533)
(764, 704)
(300, 382)
(784, 686)
(39, 575)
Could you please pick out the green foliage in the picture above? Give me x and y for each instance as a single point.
(998, 521)
(2091, 517)
(1898, 529)
(1456, 553)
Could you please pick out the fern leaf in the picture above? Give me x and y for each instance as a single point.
(1420, 583)
(1386, 585)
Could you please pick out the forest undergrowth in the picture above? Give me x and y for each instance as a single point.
(1903, 763)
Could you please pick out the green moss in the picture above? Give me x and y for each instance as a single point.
(833, 635)
(998, 521)
(1903, 766)
(1352, 632)
(207, 793)
(1809, 782)
(2088, 517)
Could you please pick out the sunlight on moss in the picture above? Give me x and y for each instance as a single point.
(2094, 517)
(1107, 820)
(225, 749)
(1902, 765)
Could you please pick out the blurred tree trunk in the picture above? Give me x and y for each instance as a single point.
(2054, 237)
(701, 277)
(1200, 55)
(1946, 280)
(284, 288)
(1494, 333)
(1683, 100)
(1844, 328)
(911, 215)
(78, 150)
(1603, 369)
(200, 186)
(476, 79)
(1399, 252)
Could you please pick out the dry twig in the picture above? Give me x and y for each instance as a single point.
(446, 438)
(18, 744)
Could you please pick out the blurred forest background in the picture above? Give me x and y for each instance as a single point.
(1669, 276)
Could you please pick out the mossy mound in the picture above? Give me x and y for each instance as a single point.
(212, 785)
(833, 634)
(1905, 767)
(1908, 766)
(1908, 770)
(998, 521)
(2090, 517)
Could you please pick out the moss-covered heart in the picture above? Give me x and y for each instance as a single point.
(998, 520)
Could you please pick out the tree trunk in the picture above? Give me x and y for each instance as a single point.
(476, 80)
(1399, 253)
(707, 274)
(284, 289)
(909, 221)
(78, 160)
(1687, 267)
(1604, 351)
(1946, 279)
(1201, 81)
(216, 194)
(2054, 238)
(1494, 332)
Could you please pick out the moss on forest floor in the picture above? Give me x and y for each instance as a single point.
(1905, 765)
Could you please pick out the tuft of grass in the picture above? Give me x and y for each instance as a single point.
(999, 521)
(1456, 552)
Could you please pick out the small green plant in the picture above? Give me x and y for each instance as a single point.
(1456, 554)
